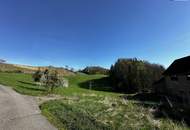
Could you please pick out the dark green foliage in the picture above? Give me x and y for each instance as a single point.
(37, 76)
(95, 70)
(51, 79)
(13, 71)
(133, 75)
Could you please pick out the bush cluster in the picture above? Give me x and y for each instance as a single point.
(48, 78)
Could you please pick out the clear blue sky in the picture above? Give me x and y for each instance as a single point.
(93, 32)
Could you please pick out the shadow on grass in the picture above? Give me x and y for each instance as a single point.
(102, 84)
(143, 97)
(28, 83)
(31, 88)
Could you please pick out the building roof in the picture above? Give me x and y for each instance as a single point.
(179, 66)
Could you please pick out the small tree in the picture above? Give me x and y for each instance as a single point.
(51, 79)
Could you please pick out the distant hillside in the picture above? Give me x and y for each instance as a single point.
(11, 68)
(95, 70)
(4, 67)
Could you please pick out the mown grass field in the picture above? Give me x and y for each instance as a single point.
(91, 107)
(21, 83)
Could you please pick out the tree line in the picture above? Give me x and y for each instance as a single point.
(133, 75)
(95, 70)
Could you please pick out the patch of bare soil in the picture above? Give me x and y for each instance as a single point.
(42, 99)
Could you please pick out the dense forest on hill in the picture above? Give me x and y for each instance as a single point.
(133, 75)
(95, 70)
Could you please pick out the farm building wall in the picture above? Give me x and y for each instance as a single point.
(179, 87)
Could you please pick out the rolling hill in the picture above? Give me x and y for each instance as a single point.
(5, 67)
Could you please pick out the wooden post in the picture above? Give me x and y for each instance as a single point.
(90, 85)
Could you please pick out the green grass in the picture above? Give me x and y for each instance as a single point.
(71, 117)
(108, 113)
(75, 86)
(95, 109)
(21, 83)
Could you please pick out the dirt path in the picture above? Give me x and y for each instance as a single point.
(18, 112)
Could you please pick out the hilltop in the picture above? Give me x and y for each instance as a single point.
(6, 67)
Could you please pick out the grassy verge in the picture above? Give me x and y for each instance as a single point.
(71, 117)
(105, 113)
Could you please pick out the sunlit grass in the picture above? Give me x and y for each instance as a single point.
(21, 83)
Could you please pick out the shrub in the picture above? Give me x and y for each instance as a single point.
(51, 79)
(133, 75)
(37, 76)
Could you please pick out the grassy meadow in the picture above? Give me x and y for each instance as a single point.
(21, 83)
(89, 103)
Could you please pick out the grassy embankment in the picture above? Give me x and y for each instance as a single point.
(96, 109)
(21, 83)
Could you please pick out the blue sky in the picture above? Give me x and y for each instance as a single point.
(79, 33)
